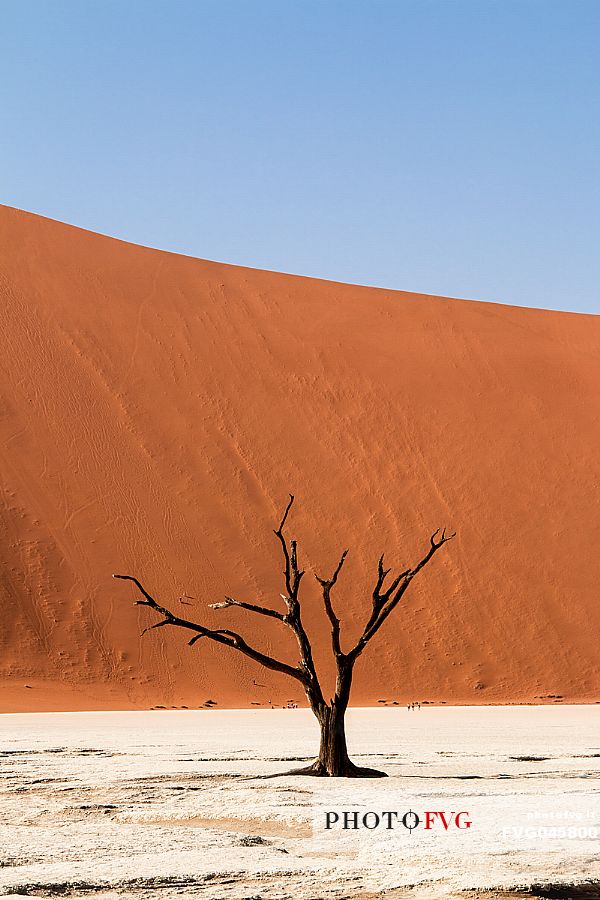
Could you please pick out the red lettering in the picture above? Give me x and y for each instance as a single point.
(429, 817)
(466, 823)
(443, 818)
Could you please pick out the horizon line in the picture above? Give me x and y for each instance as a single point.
(334, 281)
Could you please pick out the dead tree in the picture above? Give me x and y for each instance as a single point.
(333, 757)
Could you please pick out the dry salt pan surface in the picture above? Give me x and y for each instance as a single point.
(175, 804)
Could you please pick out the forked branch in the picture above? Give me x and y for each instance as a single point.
(326, 586)
(293, 575)
(385, 601)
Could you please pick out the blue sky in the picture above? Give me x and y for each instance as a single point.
(442, 146)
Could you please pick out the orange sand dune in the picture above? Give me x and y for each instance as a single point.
(157, 410)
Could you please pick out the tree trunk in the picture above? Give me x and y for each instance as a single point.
(333, 760)
(333, 753)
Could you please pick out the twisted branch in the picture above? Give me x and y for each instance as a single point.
(220, 636)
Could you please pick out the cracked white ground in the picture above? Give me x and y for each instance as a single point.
(169, 803)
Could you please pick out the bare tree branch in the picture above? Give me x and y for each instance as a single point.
(252, 607)
(220, 636)
(289, 583)
(326, 585)
(384, 603)
(293, 619)
(381, 576)
(156, 625)
(198, 637)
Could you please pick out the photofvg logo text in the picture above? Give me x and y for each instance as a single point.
(428, 820)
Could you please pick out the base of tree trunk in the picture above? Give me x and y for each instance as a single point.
(349, 770)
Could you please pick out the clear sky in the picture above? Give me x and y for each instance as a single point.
(442, 146)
